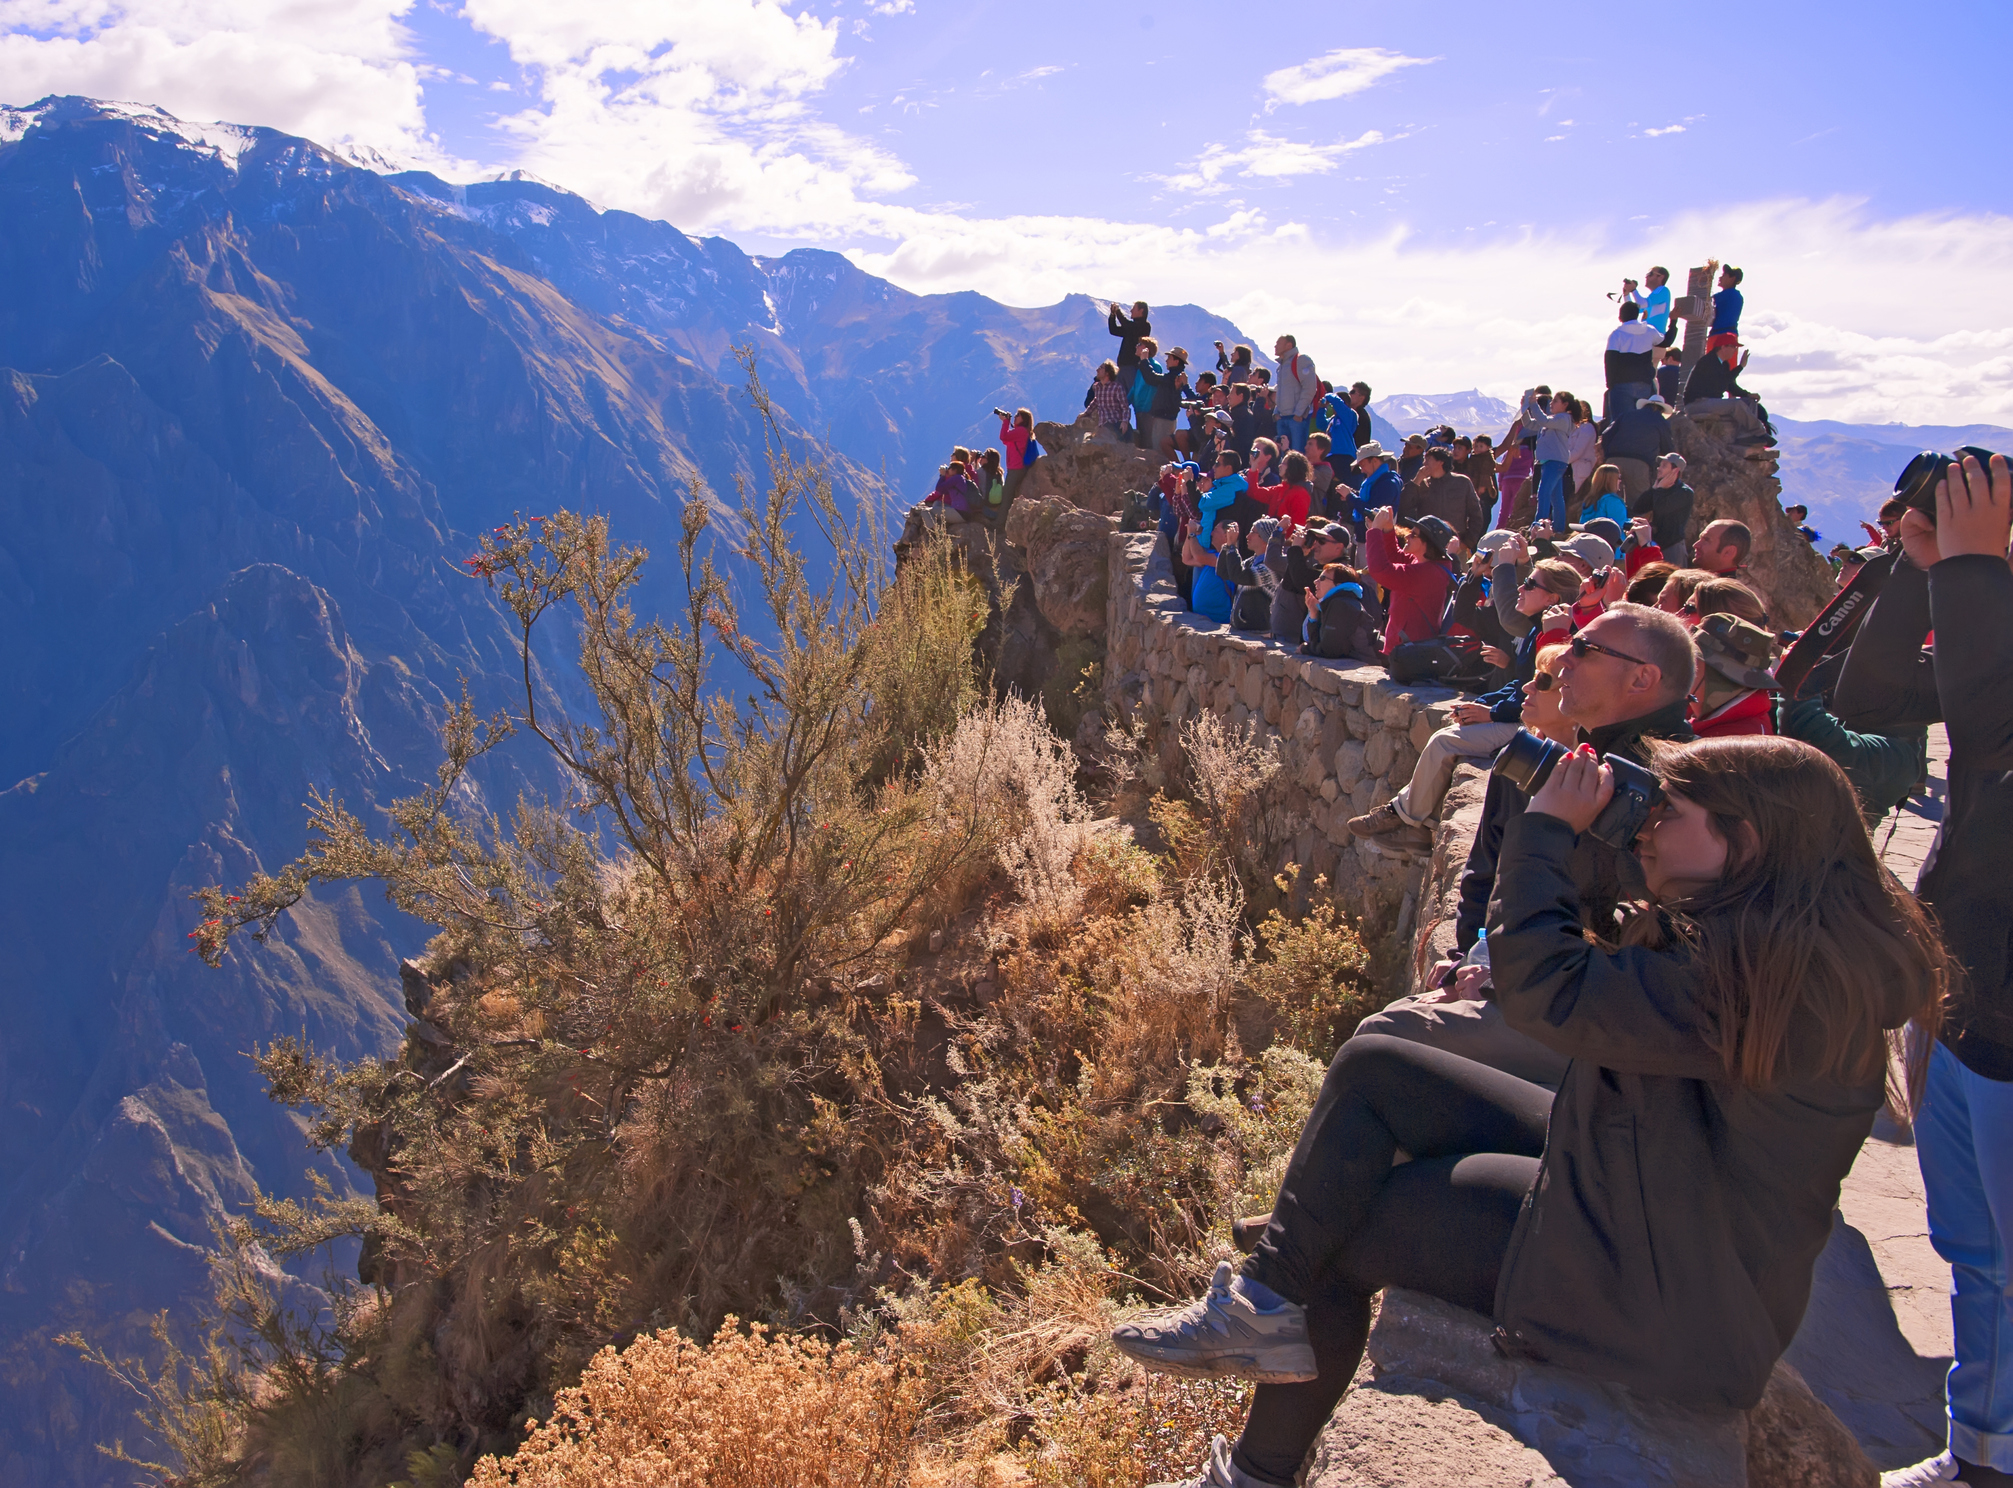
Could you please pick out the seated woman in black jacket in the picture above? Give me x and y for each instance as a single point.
(1728, 1058)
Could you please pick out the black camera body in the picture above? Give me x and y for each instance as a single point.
(1527, 763)
(1916, 485)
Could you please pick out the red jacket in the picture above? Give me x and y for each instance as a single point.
(1641, 558)
(1288, 503)
(1746, 714)
(1419, 589)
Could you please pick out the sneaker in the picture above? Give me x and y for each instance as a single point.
(1941, 1468)
(1245, 1233)
(1220, 1472)
(1222, 1335)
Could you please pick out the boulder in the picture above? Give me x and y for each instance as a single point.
(1435, 1369)
(1064, 552)
(1737, 481)
(1086, 470)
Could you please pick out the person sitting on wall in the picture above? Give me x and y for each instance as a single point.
(1728, 1052)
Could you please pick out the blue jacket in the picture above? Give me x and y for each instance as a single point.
(1335, 418)
(1222, 491)
(1726, 307)
(1209, 596)
(1381, 489)
(1142, 389)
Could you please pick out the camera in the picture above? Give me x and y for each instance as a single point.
(1527, 763)
(1916, 484)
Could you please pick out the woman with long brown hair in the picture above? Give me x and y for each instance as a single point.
(1656, 1224)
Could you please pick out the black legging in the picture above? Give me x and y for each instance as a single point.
(1347, 1223)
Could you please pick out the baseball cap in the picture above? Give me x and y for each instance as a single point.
(1589, 549)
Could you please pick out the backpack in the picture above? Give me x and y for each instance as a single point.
(1138, 514)
(1451, 659)
(1251, 609)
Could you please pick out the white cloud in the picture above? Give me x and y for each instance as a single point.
(1336, 74)
(1268, 157)
(696, 114)
(339, 72)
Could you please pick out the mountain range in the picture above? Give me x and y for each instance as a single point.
(256, 403)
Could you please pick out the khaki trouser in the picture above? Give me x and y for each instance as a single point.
(1420, 800)
(1473, 1030)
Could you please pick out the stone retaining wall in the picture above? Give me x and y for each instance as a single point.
(1347, 735)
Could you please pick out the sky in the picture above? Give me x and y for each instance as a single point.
(1433, 198)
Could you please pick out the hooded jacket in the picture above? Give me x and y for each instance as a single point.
(1890, 681)
(1669, 1240)
(1345, 627)
(1553, 430)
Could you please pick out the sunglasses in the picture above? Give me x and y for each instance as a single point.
(1580, 646)
(1544, 682)
(1533, 582)
(1689, 607)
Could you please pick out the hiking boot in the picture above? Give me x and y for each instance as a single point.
(1377, 822)
(1222, 1335)
(1941, 1468)
(1387, 823)
(1220, 1472)
(1245, 1233)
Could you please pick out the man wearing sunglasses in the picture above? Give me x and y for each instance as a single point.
(1625, 678)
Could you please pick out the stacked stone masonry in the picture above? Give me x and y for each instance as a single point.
(1346, 735)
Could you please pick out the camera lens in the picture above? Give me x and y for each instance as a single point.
(1527, 761)
(1916, 485)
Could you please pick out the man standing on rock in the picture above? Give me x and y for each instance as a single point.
(1628, 678)
(1129, 332)
(1668, 504)
(1299, 388)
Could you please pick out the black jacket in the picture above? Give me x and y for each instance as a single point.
(1168, 390)
(1605, 877)
(1346, 628)
(1890, 680)
(1669, 510)
(1128, 331)
(1668, 1242)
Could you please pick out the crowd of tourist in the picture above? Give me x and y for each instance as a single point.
(1668, 1039)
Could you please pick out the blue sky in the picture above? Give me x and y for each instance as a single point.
(1435, 197)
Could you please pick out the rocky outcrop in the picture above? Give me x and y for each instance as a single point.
(1737, 480)
(1062, 549)
(1086, 470)
(1435, 1374)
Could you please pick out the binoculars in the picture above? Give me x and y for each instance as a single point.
(1527, 763)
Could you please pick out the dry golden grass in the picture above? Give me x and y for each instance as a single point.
(784, 1412)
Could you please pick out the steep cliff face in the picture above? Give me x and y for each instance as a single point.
(253, 405)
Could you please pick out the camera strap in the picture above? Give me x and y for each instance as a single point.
(1832, 631)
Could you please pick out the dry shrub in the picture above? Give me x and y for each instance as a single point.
(1004, 766)
(784, 1412)
(1315, 974)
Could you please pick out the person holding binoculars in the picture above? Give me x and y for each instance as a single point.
(1656, 1223)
